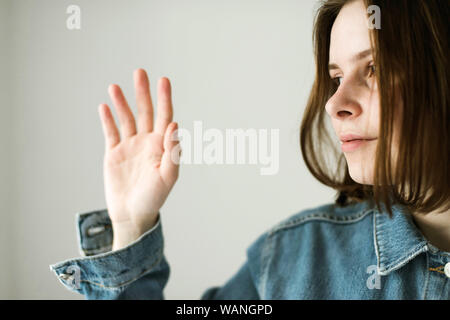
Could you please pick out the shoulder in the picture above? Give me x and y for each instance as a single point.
(329, 213)
(321, 236)
(325, 223)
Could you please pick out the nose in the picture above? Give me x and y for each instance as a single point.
(344, 103)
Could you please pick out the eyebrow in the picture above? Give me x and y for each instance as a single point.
(359, 56)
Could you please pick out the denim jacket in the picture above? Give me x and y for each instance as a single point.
(327, 252)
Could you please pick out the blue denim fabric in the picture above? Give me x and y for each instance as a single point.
(327, 252)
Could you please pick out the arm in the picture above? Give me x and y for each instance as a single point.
(137, 271)
(123, 244)
(119, 274)
(139, 169)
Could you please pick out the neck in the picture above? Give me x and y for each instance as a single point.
(435, 226)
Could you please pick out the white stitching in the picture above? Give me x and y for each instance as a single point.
(132, 280)
(319, 216)
(377, 252)
(427, 278)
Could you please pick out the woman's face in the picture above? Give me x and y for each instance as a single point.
(354, 107)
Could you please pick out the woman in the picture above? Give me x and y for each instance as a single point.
(387, 236)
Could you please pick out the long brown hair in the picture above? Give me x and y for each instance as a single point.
(411, 57)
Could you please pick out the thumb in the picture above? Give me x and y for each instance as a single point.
(170, 161)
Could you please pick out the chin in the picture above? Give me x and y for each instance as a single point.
(360, 175)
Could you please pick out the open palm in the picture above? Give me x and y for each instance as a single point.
(139, 167)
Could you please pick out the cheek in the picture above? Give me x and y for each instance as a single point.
(361, 164)
(373, 114)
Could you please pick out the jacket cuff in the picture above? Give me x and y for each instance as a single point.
(105, 269)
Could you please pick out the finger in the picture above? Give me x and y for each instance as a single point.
(109, 127)
(170, 161)
(126, 119)
(164, 111)
(143, 100)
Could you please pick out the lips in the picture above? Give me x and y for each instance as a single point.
(350, 143)
(351, 137)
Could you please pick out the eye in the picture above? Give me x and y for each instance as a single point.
(337, 81)
(371, 70)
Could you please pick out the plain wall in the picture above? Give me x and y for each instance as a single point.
(5, 144)
(232, 64)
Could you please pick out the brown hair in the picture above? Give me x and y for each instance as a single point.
(411, 58)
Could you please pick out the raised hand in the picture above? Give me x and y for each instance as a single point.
(139, 169)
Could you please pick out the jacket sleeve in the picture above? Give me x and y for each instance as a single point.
(139, 270)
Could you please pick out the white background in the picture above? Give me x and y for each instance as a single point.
(232, 64)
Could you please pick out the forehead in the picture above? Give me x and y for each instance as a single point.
(350, 32)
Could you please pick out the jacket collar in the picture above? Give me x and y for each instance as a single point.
(397, 240)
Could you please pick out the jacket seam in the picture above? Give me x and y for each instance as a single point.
(427, 277)
(397, 264)
(320, 216)
(266, 255)
(375, 243)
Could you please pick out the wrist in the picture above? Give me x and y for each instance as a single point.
(123, 234)
(126, 232)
